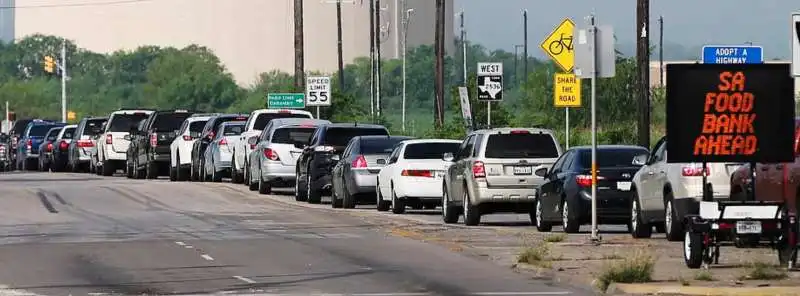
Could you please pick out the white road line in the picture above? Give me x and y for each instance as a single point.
(209, 258)
(188, 247)
(244, 279)
(180, 243)
(518, 293)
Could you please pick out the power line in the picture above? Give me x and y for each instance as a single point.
(105, 3)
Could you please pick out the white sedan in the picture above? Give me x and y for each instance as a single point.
(413, 175)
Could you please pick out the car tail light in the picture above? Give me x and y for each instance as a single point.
(109, 139)
(153, 139)
(695, 170)
(360, 162)
(187, 137)
(50, 147)
(85, 143)
(586, 180)
(63, 146)
(417, 173)
(223, 141)
(29, 143)
(478, 170)
(271, 154)
(520, 132)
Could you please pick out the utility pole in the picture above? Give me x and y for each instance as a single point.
(525, 45)
(463, 47)
(438, 108)
(372, 59)
(406, 20)
(299, 68)
(643, 70)
(378, 49)
(661, 51)
(339, 44)
(63, 67)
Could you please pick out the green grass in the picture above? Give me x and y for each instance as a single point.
(536, 255)
(634, 269)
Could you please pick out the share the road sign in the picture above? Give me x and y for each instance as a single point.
(732, 54)
(286, 100)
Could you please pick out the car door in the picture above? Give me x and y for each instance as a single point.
(552, 188)
(654, 176)
(337, 174)
(387, 172)
(456, 171)
(142, 140)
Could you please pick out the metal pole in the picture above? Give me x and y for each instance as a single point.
(8, 121)
(488, 114)
(464, 48)
(339, 45)
(378, 49)
(516, 58)
(317, 112)
(593, 31)
(566, 126)
(372, 59)
(299, 48)
(406, 20)
(643, 70)
(661, 51)
(438, 108)
(64, 81)
(525, 44)
(396, 28)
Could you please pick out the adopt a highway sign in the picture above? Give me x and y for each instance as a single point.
(318, 91)
(558, 45)
(490, 81)
(286, 101)
(732, 54)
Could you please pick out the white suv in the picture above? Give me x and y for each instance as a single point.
(256, 122)
(111, 144)
(181, 147)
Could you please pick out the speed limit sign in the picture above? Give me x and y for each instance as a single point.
(318, 91)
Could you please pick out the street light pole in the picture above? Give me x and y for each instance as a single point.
(406, 20)
(516, 59)
(463, 47)
(525, 44)
(339, 44)
(64, 81)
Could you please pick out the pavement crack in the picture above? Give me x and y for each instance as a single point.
(46, 202)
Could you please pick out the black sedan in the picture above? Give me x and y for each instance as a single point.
(565, 197)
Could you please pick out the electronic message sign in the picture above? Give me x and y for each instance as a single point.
(730, 113)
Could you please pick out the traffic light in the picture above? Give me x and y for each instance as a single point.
(49, 65)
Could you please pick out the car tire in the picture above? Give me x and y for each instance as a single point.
(180, 173)
(674, 226)
(128, 169)
(299, 191)
(472, 214)
(569, 219)
(336, 201)
(314, 195)
(638, 228)
(348, 200)
(449, 212)
(264, 187)
(216, 176)
(398, 204)
(108, 169)
(247, 177)
(173, 173)
(381, 205)
(235, 175)
(537, 219)
(151, 170)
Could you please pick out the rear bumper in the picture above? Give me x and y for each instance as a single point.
(419, 187)
(612, 207)
(271, 170)
(481, 193)
(363, 181)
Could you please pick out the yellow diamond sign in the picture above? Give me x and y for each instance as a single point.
(558, 45)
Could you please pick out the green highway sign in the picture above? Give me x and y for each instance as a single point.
(286, 100)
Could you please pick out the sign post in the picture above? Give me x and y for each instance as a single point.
(490, 86)
(595, 57)
(286, 101)
(566, 93)
(558, 45)
(466, 111)
(318, 92)
(796, 44)
(732, 54)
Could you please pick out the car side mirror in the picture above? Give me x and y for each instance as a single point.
(127, 137)
(252, 140)
(640, 160)
(299, 145)
(335, 157)
(541, 172)
(448, 157)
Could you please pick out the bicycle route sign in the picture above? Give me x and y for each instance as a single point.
(490, 82)
(558, 45)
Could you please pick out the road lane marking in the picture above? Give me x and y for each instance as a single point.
(518, 293)
(244, 279)
(188, 247)
(180, 243)
(205, 256)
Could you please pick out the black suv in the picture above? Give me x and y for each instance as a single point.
(148, 153)
(323, 150)
(199, 146)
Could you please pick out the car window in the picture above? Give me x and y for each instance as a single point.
(51, 135)
(220, 120)
(340, 136)
(396, 152)
(379, 146)
(167, 122)
(197, 126)
(233, 129)
(68, 133)
(466, 149)
(659, 152)
(39, 130)
(521, 145)
(559, 164)
(94, 127)
(609, 157)
(289, 135)
(429, 150)
(124, 122)
(264, 118)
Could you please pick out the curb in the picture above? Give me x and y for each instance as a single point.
(649, 289)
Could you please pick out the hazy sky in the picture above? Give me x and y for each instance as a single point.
(498, 23)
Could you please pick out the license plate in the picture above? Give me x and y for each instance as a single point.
(523, 170)
(624, 186)
(748, 227)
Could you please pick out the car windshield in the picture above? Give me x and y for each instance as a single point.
(232, 129)
(39, 130)
(20, 126)
(68, 134)
(220, 120)
(429, 150)
(339, 136)
(94, 127)
(167, 122)
(290, 135)
(264, 118)
(197, 126)
(380, 146)
(521, 145)
(622, 157)
(124, 122)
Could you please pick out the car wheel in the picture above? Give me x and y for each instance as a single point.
(638, 228)
(180, 173)
(569, 219)
(336, 200)
(247, 178)
(128, 169)
(674, 227)
(449, 212)
(398, 205)
(234, 171)
(264, 187)
(348, 200)
(538, 220)
(151, 170)
(693, 249)
(472, 215)
(382, 205)
(299, 191)
(314, 195)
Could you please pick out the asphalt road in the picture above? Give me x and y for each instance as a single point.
(79, 234)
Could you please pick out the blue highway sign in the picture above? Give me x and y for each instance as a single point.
(732, 54)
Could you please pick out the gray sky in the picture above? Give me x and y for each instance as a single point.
(498, 23)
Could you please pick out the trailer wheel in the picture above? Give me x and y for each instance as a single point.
(693, 249)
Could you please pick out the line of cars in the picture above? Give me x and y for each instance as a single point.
(498, 170)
